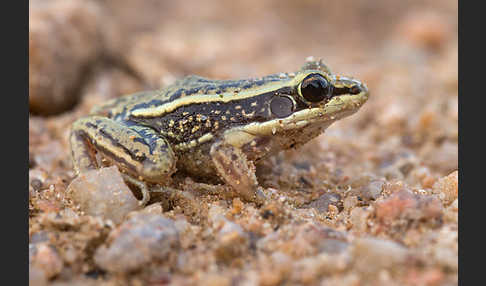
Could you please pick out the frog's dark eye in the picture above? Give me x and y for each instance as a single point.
(315, 88)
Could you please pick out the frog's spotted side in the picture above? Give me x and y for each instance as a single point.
(214, 128)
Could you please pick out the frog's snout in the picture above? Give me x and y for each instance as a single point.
(349, 86)
(362, 87)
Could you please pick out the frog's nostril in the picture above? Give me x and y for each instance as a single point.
(355, 89)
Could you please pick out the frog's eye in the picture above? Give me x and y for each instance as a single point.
(315, 88)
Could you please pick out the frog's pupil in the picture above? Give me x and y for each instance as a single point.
(315, 88)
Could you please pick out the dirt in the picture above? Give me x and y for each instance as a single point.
(373, 201)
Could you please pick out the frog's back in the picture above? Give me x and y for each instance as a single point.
(192, 85)
(123, 104)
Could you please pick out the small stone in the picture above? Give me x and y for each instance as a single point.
(140, 240)
(216, 279)
(155, 208)
(350, 279)
(447, 187)
(103, 192)
(406, 205)
(395, 205)
(444, 250)
(430, 277)
(311, 239)
(322, 203)
(367, 187)
(38, 237)
(55, 73)
(373, 190)
(270, 278)
(237, 206)
(274, 211)
(216, 214)
(444, 158)
(37, 178)
(428, 182)
(50, 155)
(372, 255)
(310, 269)
(45, 257)
(422, 176)
(398, 165)
(452, 212)
(274, 269)
(333, 246)
(37, 277)
(350, 202)
(359, 219)
(232, 242)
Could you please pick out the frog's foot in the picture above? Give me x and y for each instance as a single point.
(141, 186)
(237, 171)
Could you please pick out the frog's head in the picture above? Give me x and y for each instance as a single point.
(320, 96)
(307, 104)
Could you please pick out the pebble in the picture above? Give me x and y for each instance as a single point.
(232, 242)
(443, 158)
(322, 203)
(406, 205)
(447, 187)
(103, 192)
(37, 277)
(372, 255)
(44, 257)
(373, 190)
(140, 240)
(37, 178)
(350, 202)
(359, 219)
(310, 269)
(55, 73)
(367, 187)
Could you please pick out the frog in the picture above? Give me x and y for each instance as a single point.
(213, 130)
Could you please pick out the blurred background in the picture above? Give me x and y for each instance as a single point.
(153, 42)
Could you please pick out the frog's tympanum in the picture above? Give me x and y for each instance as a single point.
(213, 129)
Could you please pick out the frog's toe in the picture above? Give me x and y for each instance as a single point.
(157, 172)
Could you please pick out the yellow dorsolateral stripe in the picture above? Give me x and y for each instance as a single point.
(224, 97)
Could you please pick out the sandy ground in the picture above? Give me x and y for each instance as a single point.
(373, 201)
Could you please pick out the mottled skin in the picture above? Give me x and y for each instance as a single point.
(210, 129)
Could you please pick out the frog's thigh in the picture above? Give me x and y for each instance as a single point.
(234, 168)
(138, 150)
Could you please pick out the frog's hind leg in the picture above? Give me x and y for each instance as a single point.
(137, 150)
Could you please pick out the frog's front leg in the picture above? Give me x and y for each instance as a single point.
(236, 170)
(138, 151)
